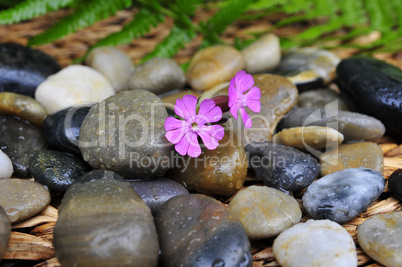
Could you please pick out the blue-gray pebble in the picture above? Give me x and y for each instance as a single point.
(343, 195)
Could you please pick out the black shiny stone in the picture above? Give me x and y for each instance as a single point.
(22, 68)
(395, 183)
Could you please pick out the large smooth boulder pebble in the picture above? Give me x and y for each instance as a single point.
(343, 195)
(103, 222)
(6, 166)
(364, 154)
(197, 230)
(262, 55)
(354, 126)
(22, 68)
(395, 183)
(57, 170)
(113, 63)
(5, 231)
(221, 171)
(73, 85)
(373, 87)
(264, 211)
(20, 141)
(22, 199)
(22, 106)
(319, 243)
(126, 134)
(321, 98)
(155, 192)
(282, 167)
(214, 65)
(157, 75)
(62, 129)
(381, 238)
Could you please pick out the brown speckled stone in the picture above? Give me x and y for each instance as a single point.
(5, 231)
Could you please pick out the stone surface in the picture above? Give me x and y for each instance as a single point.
(5, 231)
(20, 140)
(155, 192)
(309, 138)
(197, 230)
(373, 87)
(22, 106)
(22, 68)
(170, 99)
(214, 65)
(6, 166)
(71, 86)
(381, 238)
(315, 243)
(126, 134)
(343, 195)
(395, 183)
(282, 167)
(113, 63)
(103, 222)
(262, 55)
(221, 171)
(264, 211)
(307, 67)
(57, 170)
(157, 75)
(321, 98)
(354, 126)
(62, 129)
(22, 199)
(365, 154)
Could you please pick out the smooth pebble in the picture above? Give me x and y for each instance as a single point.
(6, 166)
(5, 231)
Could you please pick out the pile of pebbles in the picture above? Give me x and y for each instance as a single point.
(93, 137)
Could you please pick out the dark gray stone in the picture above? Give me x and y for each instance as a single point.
(395, 183)
(321, 98)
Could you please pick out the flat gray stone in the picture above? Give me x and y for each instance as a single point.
(5, 231)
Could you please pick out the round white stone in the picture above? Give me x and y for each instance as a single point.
(73, 85)
(114, 64)
(6, 166)
(315, 243)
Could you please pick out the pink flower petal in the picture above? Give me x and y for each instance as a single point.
(173, 123)
(233, 96)
(246, 118)
(194, 149)
(213, 116)
(254, 94)
(191, 103)
(254, 105)
(210, 135)
(175, 136)
(233, 110)
(206, 106)
(182, 146)
(181, 109)
(243, 81)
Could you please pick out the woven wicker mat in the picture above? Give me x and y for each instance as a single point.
(32, 239)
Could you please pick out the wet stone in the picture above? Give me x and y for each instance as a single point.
(5, 231)
(262, 55)
(6, 166)
(157, 75)
(282, 167)
(354, 126)
(264, 211)
(125, 133)
(57, 170)
(321, 98)
(71, 86)
(309, 138)
(155, 192)
(20, 140)
(373, 87)
(308, 68)
(22, 68)
(395, 183)
(317, 243)
(62, 129)
(221, 171)
(342, 196)
(113, 63)
(22, 106)
(214, 65)
(103, 222)
(22, 199)
(381, 238)
(364, 154)
(197, 230)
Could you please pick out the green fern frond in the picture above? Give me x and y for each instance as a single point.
(87, 14)
(30, 9)
(9, 3)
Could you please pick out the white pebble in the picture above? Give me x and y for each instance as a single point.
(6, 166)
(73, 85)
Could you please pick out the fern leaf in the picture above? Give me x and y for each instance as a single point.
(316, 31)
(30, 9)
(388, 15)
(375, 14)
(296, 6)
(9, 3)
(397, 7)
(352, 12)
(264, 4)
(87, 14)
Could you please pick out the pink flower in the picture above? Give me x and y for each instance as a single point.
(184, 133)
(237, 100)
